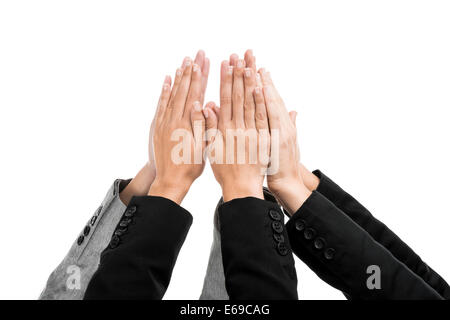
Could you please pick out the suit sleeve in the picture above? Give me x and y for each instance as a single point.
(256, 253)
(381, 233)
(139, 260)
(348, 258)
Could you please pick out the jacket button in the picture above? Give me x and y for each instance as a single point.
(277, 226)
(130, 212)
(309, 233)
(275, 215)
(120, 232)
(80, 240)
(114, 242)
(300, 225)
(282, 249)
(93, 219)
(278, 237)
(125, 223)
(329, 253)
(86, 231)
(319, 243)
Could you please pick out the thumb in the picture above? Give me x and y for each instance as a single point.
(211, 121)
(293, 116)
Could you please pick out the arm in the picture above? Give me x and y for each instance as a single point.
(379, 232)
(325, 238)
(143, 250)
(257, 258)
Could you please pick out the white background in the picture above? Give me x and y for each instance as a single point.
(79, 81)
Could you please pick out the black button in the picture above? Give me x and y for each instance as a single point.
(129, 213)
(282, 249)
(277, 226)
(80, 240)
(275, 215)
(131, 209)
(124, 223)
(120, 232)
(300, 225)
(93, 219)
(114, 242)
(86, 231)
(278, 237)
(319, 243)
(329, 253)
(309, 233)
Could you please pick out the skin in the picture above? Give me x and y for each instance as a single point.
(294, 182)
(242, 110)
(178, 108)
(140, 184)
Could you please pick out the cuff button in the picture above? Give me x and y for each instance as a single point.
(329, 253)
(80, 240)
(319, 243)
(278, 237)
(130, 211)
(114, 242)
(277, 226)
(275, 215)
(282, 249)
(300, 225)
(309, 233)
(86, 231)
(124, 223)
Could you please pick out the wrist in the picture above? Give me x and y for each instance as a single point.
(171, 191)
(291, 194)
(235, 190)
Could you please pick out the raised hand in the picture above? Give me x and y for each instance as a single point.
(178, 133)
(239, 148)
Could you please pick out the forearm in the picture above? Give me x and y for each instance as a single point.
(140, 184)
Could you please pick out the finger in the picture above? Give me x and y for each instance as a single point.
(250, 60)
(249, 101)
(226, 87)
(164, 98)
(195, 90)
(238, 94)
(179, 102)
(211, 122)
(176, 83)
(261, 119)
(267, 81)
(200, 58)
(205, 75)
(258, 80)
(271, 108)
(198, 131)
(234, 59)
(293, 116)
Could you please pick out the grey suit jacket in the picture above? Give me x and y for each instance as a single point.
(70, 279)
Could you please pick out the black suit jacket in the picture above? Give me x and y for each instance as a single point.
(339, 240)
(138, 262)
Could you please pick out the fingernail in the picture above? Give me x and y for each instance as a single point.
(196, 67)
(179, 72)
(197, 106)
(240, 63)
(205, 113)
(248, 72)
(187, 62)
(257, 90)
(230, 70)
(258, 76)
(165, 87)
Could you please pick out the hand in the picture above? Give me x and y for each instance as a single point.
(179, 115)
(284, 176)
(141, 183)
(241, 120)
